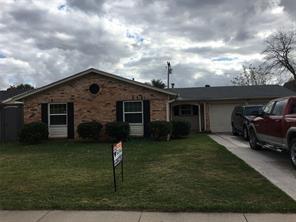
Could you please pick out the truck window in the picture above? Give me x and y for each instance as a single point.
(267, 109)
(279, 107)
(293, 109)
(252, 110)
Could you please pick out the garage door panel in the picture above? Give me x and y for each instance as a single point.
(220, 117)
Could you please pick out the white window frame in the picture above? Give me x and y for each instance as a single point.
(123, 111)
(191, 110)
(57, 114)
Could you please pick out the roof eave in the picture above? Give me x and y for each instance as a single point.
(77, 75)
(221, 99)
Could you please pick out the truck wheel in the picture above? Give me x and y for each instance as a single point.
(293, 153)
(245, 133)
(253, 140)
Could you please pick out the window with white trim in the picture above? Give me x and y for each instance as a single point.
(133, 112)
(186, 110)
(57, 114)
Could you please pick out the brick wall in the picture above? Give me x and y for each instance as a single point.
(101, 106)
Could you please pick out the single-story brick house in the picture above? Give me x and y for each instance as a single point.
(95, 95)
(104, 97)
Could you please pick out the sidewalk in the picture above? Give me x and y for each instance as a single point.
(133, 216)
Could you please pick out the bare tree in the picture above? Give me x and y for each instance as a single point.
(280, 52)
(251, 76)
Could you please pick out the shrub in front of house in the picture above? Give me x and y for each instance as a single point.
(118, 130)
(33, 133)
(89, 130)
(180, 128)
(160, 130)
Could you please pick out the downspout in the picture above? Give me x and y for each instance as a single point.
(168, 108)
(205, 120)
(199, 118)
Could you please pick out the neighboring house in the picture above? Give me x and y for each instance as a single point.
(209, 108)
(291, 85)
(94, 95)
(104, 97)
(5, 94)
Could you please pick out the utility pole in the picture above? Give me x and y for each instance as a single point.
(170, 70)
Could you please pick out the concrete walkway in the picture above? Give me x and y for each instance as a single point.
(275, 166)
(131, 216)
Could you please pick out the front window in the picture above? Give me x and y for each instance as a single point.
(57, 114)
(133, 112)
(293, 109)
(185, 110)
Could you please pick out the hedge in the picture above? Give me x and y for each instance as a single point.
(118, 130)
(33, 133)
(160, 130)
(89, 130)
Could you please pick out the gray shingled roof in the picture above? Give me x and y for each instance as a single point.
(4, 94)
(232, 92)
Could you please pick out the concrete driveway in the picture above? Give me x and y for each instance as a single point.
(273, 165)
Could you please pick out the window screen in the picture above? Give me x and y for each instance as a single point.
(58, 108)
(57, 114)
(133, 107)
(58, 119)
(186, 110)
(133, 112)
(133, 117)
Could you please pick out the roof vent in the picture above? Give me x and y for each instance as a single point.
(173, 85)
(207, 86)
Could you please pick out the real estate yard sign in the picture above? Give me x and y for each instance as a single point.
(117, 158)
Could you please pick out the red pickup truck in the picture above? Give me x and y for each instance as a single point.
(275, 127)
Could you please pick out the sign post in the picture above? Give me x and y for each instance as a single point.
(117, 158)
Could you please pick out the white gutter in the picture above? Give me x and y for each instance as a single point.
(199, 118)
(205, 120)
(168, 109)
(11, 102)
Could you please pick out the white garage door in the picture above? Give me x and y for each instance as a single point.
(220, 117)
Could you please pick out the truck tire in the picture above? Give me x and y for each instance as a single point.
(292, 153)
(245, 133)
(254, 144)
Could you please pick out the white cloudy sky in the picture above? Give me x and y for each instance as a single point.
(207, 41)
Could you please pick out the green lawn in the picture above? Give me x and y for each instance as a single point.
(193, 174)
